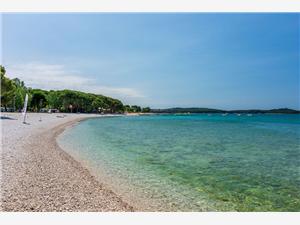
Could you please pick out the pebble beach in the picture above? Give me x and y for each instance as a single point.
(37, 175)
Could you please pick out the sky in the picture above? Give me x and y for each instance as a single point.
(224, 61)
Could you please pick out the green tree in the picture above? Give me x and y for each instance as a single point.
(146, 110)
(53, 99)
(38, 99)
(7, 89)
(127, 109)
(19, 93)
(69, 98)
(116, 106)
(98, 104)
(136, 108)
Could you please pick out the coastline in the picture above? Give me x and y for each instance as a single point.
(37, 175)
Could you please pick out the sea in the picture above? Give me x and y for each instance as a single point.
(195, 162)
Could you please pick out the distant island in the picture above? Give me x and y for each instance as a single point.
(208, 110)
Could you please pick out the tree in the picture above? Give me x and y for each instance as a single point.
(7, 88)
(53, 99)
(19, 83)
(116, 106)
(68, 98)
(19, 94)
(127, 109)
(98, 104)
(19, 98)
(146, 110)
(136, 108)
(38, 99)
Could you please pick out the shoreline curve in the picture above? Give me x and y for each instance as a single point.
(47, 178)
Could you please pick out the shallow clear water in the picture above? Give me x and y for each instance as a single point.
(195, 162)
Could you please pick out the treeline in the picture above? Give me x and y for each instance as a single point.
(136, 109)
(13, 93)
(208, 110)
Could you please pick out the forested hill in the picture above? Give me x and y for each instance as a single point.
(208, 110)
(13, 93)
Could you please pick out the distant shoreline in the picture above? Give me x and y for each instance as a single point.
(209, 110)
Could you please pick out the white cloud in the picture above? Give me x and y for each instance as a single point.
(57, 77)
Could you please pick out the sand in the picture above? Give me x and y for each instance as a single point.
(36, 175)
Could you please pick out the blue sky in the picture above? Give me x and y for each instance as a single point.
(227, 61)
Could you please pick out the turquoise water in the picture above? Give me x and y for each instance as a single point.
(195, 162)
